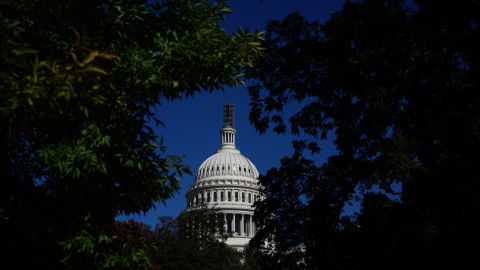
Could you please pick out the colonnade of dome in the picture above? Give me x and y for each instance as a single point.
(222, 196)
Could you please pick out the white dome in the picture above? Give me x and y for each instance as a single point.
(228, 182)
(226, 163)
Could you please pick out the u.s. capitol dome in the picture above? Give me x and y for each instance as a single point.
(228, 182)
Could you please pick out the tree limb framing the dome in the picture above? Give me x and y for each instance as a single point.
(395, 85)
(78, 84)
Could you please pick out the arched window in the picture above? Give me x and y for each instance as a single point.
(249, 198)
(214, 196)
(208, 197)
(236, 196)
(222, 198)
(229, 196)
(243, 196)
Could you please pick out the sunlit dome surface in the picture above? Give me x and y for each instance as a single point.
(225, 163)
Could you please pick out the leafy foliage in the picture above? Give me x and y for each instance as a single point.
(394, 84)
(174, 245)
(107, 251)
(79, 81)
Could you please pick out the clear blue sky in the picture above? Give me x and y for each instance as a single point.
(192, 125)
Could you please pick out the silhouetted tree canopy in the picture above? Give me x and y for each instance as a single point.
(79, 82)
(395, 85)
(174, 244)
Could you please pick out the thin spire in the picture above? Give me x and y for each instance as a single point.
(228, 131)
(229, 116)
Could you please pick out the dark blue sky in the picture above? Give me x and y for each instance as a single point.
(192, 125)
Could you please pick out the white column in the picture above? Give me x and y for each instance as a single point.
(225, 222)
(250, 227)
(242, 224)
(254, 228)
